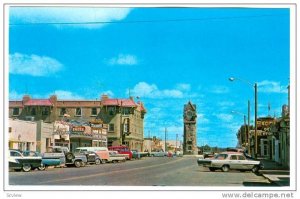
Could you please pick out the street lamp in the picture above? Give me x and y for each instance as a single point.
(255, 109)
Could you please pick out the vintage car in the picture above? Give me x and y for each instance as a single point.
(45, 161)
(67, 158)
(18, 161)
(115, 157)
(138, 155)
(158, 154)
(92, 157)
(231, 160)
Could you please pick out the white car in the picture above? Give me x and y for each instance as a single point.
(231, 160)
(18, 161)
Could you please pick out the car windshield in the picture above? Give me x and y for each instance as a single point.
(221, 157)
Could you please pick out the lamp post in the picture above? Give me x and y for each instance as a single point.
(255, 109)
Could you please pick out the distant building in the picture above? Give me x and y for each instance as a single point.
(190, 130)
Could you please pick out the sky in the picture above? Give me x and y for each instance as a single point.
(165, 56)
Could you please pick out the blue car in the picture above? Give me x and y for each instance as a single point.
(45, 161)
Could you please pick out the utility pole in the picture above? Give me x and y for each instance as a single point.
(165, 139)
(176, 143)
(248, 129)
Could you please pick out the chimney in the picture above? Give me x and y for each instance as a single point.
(26, 98)
(53, 99)
(104, 97)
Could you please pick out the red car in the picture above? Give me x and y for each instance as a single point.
(121, 150)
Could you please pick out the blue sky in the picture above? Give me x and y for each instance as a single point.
(166, 56)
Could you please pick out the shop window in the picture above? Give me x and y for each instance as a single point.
(78, 112)
(94, 112)
(63, 111)
(16, 111)
(45, 111)
(111, 127)
(33, 111)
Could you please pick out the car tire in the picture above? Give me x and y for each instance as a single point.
(26, 167)
(97, 161)
(255, 169)
(69, 156)
(211, 169)
(77, 163)
(114, 161)
(82, 164)
(225, 168)
(42, 167)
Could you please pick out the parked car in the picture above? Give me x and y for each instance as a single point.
(231, 160)
(115, 157)
(69, 158)
(45, 161)
(92, 157)
(135, 154)
(102, 152)
(18, 161)
(121, 150)
(157, 154)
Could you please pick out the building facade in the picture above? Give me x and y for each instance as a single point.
(104, 122)
(190, 130)
(22, 135)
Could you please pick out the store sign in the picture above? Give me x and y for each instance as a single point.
(78, 129)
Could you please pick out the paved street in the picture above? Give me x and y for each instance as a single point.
(152, 171)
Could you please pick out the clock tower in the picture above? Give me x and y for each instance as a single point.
(190, 130)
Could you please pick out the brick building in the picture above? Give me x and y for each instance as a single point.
(124, 118)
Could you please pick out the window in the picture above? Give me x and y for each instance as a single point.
(233, 157)
(62, 111)
(111, 110)
(111, 127)
(78, 112)
(125, 111)
(94, 111)
(189, 147)
(16, 111)
(15, 154)
(126, 128)
(33, 111)
(242, 157)
(45, 111)
(9, 129)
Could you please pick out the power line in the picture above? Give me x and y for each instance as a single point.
(142, 21)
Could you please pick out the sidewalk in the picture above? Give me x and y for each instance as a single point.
(275, 173)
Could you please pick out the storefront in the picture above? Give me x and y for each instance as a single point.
(61, 133)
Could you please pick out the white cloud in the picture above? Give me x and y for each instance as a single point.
(143, 89)
(61, 94)
(183, 87)
(14, 95)
(271, 87)
(20, 15)
(219, 89)
(33, 65)
(123, 60)
(108, 92)
(202, 119)
(224, 117)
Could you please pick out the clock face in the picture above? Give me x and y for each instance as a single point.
(189, 115)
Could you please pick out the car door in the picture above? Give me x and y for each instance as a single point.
(233, 162)
(244, 163)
